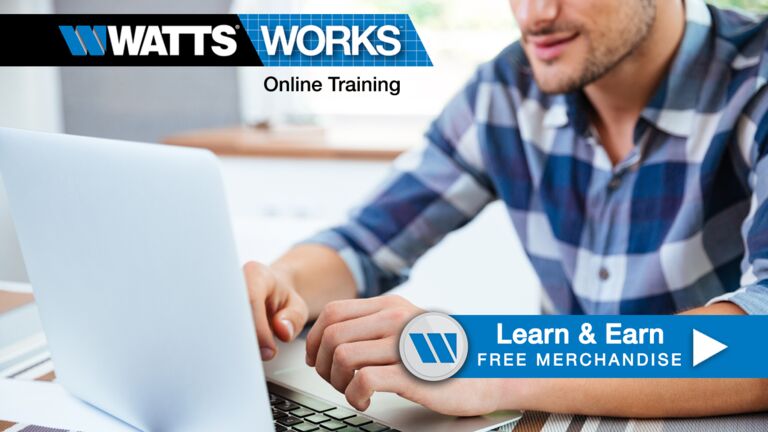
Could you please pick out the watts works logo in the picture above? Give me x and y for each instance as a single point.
(148, 40)
(433, 346)
(369, 40)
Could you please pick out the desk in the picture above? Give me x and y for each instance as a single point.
(294, 142)
(534, 421)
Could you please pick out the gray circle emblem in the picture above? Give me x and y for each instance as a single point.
(433, 346)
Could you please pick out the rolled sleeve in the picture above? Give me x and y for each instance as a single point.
(752, 296)
(430, 191)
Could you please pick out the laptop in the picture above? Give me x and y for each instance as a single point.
(132, 259)
(13, 274)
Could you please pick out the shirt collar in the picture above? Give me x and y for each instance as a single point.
(674, 102)
(673, 105)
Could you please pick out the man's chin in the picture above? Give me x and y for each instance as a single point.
(556, 85)
(554, 77)
(562, 74)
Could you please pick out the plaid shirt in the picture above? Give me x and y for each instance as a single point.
(680, 222)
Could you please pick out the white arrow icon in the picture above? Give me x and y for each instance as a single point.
(705, 347)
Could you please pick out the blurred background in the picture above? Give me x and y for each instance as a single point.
(294, 163)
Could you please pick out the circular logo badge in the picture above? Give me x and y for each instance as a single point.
(433, 346)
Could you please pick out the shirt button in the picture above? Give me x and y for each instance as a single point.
(603, 274)
(614, 183)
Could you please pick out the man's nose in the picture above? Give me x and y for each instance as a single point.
(535, 14)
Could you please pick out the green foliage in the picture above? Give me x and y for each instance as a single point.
(759, 6)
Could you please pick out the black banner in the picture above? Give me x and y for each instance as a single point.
(155, 40)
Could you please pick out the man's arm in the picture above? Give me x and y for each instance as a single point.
(641, 398)
(633, 397)
(353, 346)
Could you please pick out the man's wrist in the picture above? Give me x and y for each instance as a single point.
(509, 393)
(287, 275)
(521, 393)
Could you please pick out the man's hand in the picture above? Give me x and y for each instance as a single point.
(351, 334)
(277, 308)
(457, 397)
(354, 346)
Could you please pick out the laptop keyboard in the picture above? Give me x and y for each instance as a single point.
(298, 412)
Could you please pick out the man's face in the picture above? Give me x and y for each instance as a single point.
(571, 43)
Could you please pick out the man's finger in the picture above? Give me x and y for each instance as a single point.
(263, 329)
(370, 379)
(349, 357)
(370, 327)
(257, 293)
(289, 321)
(337, 311)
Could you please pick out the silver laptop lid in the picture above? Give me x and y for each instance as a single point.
(131, 256)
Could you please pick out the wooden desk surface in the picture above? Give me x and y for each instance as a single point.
(11, 300)
(293, 142)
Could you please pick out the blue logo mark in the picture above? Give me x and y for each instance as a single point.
(433, 346)
(85, 40)
(442, 344)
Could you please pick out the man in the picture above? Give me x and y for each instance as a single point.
(628, 140)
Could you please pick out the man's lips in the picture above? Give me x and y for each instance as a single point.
(549, 47)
